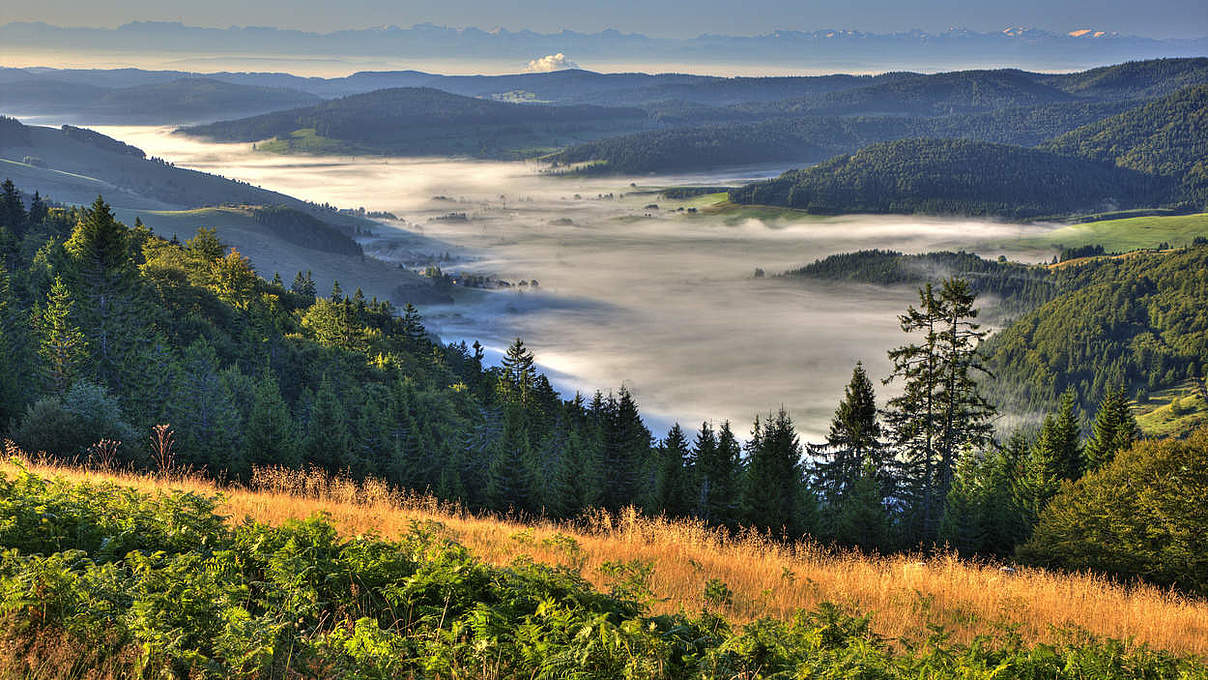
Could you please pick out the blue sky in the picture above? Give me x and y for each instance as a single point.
(1157, 18)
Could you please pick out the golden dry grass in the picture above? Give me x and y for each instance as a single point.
(904, 594)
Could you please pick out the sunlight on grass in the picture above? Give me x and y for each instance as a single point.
(905, 593)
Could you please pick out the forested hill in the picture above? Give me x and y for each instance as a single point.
(1167, 137)
(425, 120)
(957, 177)
(1139, 320)
(1005, 106)
(928, 95)
(1088, 324)
(813, 138)
(173, 101)
(1012, 287)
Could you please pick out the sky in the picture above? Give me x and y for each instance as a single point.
(671, 18)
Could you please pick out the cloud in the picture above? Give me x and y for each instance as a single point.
(550, 62)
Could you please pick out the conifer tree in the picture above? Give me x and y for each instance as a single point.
(203, 414)
(15, 364)
(510, 479)
(860, 517)
(61, 345)
(413, 326)
(327, 437)
(272, 436)
(773, 497)
(104, 281)
(1114, 430)
(518, 370)
(12, 211)
(625, 452)
(37, 211)
(671, 485)
(718, 473)
(854, 441)
(304, 286)
(940, 413)
(1059, 444)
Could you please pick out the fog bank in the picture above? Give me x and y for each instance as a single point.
(660, 300)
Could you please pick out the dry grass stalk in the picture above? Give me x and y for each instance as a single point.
(905, 593)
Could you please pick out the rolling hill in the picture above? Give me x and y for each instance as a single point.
(173, 101)
(418, 121)
(955, 177)
(1167, 137)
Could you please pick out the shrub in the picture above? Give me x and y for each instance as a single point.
(1145, 515)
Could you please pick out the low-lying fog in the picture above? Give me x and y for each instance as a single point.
(662, 301)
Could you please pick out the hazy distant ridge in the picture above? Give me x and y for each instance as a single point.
(803, 48)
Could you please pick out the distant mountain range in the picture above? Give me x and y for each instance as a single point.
(1026, 47)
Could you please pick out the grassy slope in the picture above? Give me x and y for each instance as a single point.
(268, 254)
(1127, 234)
(904, 594)
(1173, 413)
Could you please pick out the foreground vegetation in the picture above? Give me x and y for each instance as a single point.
(136, 579)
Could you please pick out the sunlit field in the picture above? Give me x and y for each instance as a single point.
(905, 594)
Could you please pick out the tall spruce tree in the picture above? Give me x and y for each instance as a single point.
(774, 496)
(1059, 444)
(853, 443)
(940, 413)
(1115, 429)
(625, 451)
(104, 279)
(671, 487)
(272, 435)
(718, 473)
(12, 210)
(61, 345)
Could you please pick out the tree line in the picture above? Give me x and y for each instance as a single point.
(112, 330)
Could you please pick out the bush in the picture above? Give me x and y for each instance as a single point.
(100, 576)
(48, 427)
(1143, 516)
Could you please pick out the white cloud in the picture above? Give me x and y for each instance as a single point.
(550, 62)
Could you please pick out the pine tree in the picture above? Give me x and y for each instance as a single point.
(1114, 430)
(61, 345)
(625, 451)
(304, 286)
(773, 496)
(37, 211)
(510, 479)
(413, 326)
(861, 519)
(671, 495)
(104, 280)
(15, 366)
(272, 436)
(718, 473)
(1059, 445)
(327, 439)
(940, 413)
(203, 414)
(12, 211)
(518, 370)
(853, 443)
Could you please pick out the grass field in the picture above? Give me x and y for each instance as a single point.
(1121, 235)
(1174, 412)
(306, 141)
(904, 594)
